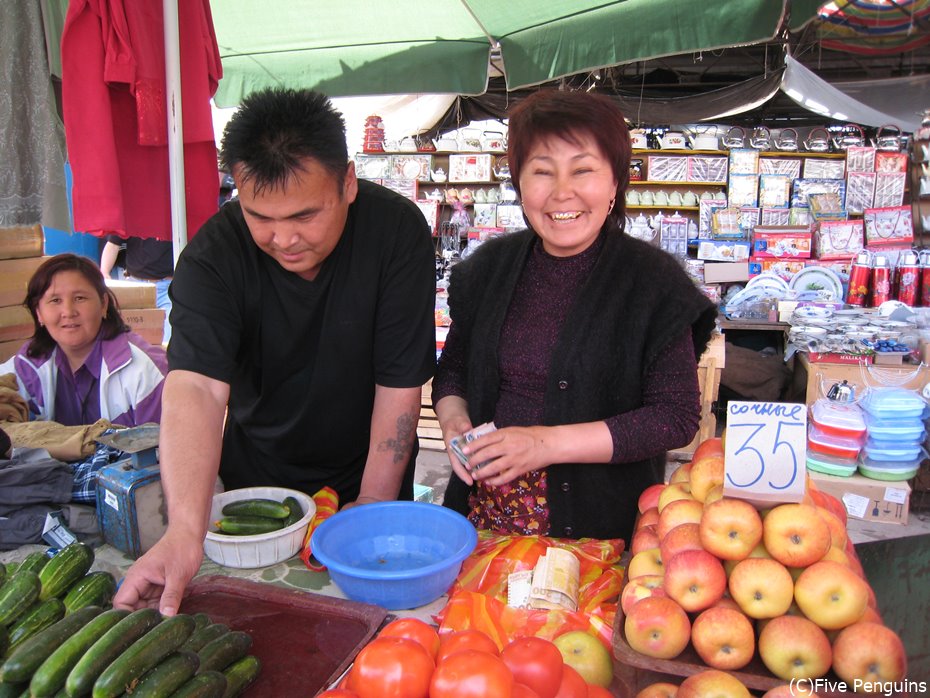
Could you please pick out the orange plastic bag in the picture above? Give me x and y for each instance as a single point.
(478, 598)
(327, 504)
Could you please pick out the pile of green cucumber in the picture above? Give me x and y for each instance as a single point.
(59, 637)
(248, 517)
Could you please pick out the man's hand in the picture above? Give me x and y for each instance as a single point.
(158, 578)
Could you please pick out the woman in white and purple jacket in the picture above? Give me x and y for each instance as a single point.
(83, 363)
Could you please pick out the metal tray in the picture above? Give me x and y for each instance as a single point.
(305, 641)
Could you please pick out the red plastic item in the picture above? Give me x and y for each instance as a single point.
(840, 447)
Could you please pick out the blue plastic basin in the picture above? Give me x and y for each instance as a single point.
(397, 555)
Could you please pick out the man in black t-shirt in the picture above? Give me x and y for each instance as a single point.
(303, 316)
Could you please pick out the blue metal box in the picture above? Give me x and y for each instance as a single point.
(131, 508)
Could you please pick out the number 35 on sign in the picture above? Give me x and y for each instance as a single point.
(765, 457)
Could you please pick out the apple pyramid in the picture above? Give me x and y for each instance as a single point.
(731, 580)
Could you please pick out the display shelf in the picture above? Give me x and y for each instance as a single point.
(674, 183)
(663, 207)
(762, 153)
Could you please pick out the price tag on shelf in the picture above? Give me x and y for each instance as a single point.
(765, 457)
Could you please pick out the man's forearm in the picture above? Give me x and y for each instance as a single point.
(393, 429)
(190, 444)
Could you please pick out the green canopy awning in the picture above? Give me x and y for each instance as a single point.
(370, 47)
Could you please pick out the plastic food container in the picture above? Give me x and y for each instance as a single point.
(837, 446)
(834, 419)
(893, 403)
(895, 453)
(895, 429)
(830, 465)
(265, 548)
(394, 554)
(891, 471)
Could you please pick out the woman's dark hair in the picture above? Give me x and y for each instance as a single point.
(571, 116)
(42, 343)
(274, 130)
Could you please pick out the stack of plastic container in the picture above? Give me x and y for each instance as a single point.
(835, 435)
(895, 422)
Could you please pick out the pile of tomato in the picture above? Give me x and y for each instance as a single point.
(409, 659)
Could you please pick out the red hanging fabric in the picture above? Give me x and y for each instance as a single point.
(113, 95)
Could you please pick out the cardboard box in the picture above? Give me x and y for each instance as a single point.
(133, 294)
(15, 323)
(148, 323)
(16, 243)
(7, 349)
(867, 499)
(820, 376)
(14, 278)
(723, 250)
(722, 272)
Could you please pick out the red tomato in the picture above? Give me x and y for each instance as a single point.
(471, 674)
(391, 667)
(414, 629)
(572, 686)
(338, 693)
(465, 640)
(535, 662)
(521, 690)
(598, 692)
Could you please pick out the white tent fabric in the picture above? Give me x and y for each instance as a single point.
(905, 99)
(820, 97)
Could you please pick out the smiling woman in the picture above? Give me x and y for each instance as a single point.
(575, 339)
(83, 363)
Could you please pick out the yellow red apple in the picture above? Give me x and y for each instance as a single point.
(644, 538)
(650, 517)
(660, 689)
(792, 647)
(677, 512)
(730, 528)
(792, 690)
(657, 627)
(831, 594)
(723, 638)
(706, 473)
(869, 652)
(695, 579)
(795, 534)
(762, 587)
(639, 588)
(838, 535)
(683, 537)
(646, 562)
(649, 497)
(681, 473)
(713, 494)
(712, 683)
(708, 447)
(587, 655)
(671, 493)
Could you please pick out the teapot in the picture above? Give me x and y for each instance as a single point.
(502, 168)
(672, 140)
(646, 198)
(469, 140)
(492, 196)
(438, 175)
(446, 144)
(466, 196)
(408, 144)
(841, 392)
(494, 142)
(893, 141)
(508, 193)
(703, 141)
(674, 199)
(425, 145)
(734, 138)
(787, 139)
(660, 198)
(689, 198)
(818, 140)
(639, 227)
(480, 196)
(632, 197)
(638, 138)
(849, 139)
(761, 138)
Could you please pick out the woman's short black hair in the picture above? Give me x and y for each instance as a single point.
(274, 130)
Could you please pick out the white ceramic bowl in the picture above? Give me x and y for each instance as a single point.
(263, 549)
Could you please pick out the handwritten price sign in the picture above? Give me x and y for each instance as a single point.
(765, 457)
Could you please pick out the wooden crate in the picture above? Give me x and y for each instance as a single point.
(710, 367)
